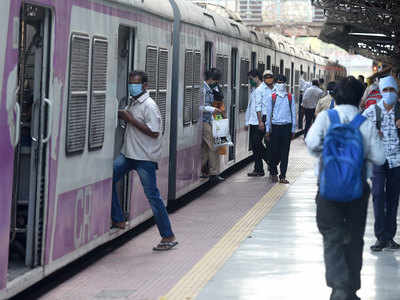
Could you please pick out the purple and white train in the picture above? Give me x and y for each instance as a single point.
(63, 75)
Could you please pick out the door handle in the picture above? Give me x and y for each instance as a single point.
(49, 120)
(17, 136)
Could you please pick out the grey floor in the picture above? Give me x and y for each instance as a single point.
(282, 259)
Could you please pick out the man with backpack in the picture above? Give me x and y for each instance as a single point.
(386, 179)
(328, 102)
(280, 127)
(346, 144)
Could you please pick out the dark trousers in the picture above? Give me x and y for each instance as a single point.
(281, 136)
(385, 192)
(301, 111)
(310, 117)
(260, 152)
(342, 226)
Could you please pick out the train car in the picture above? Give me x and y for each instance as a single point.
(64, 68)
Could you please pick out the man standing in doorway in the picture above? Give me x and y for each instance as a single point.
(254, 119)
(210, 157)
(303, 86)
(280, 127)
(140, 152)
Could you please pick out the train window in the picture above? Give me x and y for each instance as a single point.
(98, 90)
(287, 74)
(188, 82)
(208, 56)
(296, 77)
(261, 67)
(222, 65)
(301, 68)
(244, 84)
(268, 62)
(151, 70)
(78, 94)
(162, 84)
(196, 86)
(253, 60)
(308, 73)
(281, 67)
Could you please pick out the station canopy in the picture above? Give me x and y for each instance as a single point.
(367, 27)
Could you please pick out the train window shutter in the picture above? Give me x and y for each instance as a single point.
(261, 67)
(151, 70)
(99, 91)
(78, 94)
(188, 82)
(162, 85)
(244, 85)
(196, 86)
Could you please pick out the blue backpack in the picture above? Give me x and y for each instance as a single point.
(342, 165)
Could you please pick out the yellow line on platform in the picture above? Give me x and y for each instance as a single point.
(192, 282)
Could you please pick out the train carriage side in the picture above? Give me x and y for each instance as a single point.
(66, 103)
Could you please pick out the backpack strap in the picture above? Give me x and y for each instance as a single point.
(357, 121)
(378, 114)
(333, 116)
(290, 98)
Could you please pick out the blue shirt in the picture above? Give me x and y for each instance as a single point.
(282, 114)
(265, 96)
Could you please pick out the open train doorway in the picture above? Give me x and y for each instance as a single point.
(30, 181)
(126, 44)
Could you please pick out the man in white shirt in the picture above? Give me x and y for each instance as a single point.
(385, 182)
(303, 85)
(254, 120)
(140, 152)
(310, 101)
(342, 224)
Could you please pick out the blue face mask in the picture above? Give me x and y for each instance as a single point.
(135, 89)
(389, 98)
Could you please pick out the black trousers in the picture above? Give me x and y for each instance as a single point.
(281, 137)
(310, 117)
(301, 111)
(260, 152)
(342, 226)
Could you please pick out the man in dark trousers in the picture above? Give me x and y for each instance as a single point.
(280, 127)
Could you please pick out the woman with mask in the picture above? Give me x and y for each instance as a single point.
(386, 178)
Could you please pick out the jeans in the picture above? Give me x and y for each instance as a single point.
(147, 174)
(310, 117)
(281, 136)
(385, 192)
(342, 226)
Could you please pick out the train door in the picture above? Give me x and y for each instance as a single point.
(30, 181)
(234, 89)
(126, 38)
(292, 78)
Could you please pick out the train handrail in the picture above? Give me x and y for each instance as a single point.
(49, 120)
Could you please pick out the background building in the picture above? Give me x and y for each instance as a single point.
(251, 11)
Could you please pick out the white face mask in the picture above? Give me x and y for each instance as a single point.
(280, 89)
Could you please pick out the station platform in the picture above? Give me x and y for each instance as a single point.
(243, 239)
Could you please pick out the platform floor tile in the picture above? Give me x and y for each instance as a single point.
(283, 260)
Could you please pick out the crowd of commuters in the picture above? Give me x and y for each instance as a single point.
(355, 136)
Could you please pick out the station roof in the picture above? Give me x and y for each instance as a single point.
(367, 27)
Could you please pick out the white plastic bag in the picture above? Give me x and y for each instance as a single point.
(220, 131)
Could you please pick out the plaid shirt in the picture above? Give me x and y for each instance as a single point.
(390, 138)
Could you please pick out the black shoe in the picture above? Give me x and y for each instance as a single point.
(338, 294)
(392, 245)
(216, 178)
(379, 246)
(256, 174)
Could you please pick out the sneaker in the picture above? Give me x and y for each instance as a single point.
(392, 245)
(256, 174)
(379, 245)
